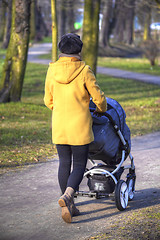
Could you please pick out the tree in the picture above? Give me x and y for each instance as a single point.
(66, 16)
(54, 31)
(16, 56)
(7, 29)
(33, 20)
(158, 2)
(120, 21)
(147, 32)
(62, 18)
(2, 18)
(70, 15)
(144, 11)
(91, 33)
(129, 23)
(107, 22)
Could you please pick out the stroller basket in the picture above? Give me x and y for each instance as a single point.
(101, 183)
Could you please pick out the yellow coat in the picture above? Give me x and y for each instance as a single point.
(68, 88)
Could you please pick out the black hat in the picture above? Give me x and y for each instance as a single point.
(70, 43)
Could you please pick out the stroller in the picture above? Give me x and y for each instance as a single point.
(112, 147)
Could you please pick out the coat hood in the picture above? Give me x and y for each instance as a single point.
(66, 69)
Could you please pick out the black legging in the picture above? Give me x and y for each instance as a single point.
(67, 178)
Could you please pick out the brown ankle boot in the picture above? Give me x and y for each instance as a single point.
(75, 211)
(66, 202)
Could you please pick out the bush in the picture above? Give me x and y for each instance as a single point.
(151, 50)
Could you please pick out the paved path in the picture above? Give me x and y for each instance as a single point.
(28, 203)
(117, 73)
(40, 49)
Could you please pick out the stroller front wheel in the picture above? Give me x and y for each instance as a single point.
(130, 183)
(121, 195)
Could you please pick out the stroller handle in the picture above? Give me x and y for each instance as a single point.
(106, 115)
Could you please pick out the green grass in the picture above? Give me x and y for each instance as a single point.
(140, 101)
(46, 56)
(25, 127)
(141, 65)
(138, 224)
(47, 39)
(2, 51)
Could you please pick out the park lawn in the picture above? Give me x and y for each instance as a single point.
(140, 101)
(26, 126)
(140, 65)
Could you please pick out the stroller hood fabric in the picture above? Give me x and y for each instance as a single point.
(107, 145)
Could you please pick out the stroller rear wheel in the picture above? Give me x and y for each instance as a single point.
(121, 195)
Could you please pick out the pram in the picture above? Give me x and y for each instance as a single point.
(112, 147)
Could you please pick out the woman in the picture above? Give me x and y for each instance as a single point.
(68, 88)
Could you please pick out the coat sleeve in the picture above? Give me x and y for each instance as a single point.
(48, 96)
(94, 90)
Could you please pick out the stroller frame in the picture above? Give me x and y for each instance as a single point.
(124, 190)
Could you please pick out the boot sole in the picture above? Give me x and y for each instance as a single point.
(66, 216)
(61, 202)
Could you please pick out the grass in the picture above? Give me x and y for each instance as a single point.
(140, 101)
(46, 56)
(140, 224)
(47, 39)
(140, 65)
(25, 126)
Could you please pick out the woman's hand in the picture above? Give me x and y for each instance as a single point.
(98, 114)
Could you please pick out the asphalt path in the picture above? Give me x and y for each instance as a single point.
(29, 208)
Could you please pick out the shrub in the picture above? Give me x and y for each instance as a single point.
(151, 50)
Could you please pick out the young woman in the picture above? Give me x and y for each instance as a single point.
(68, 88)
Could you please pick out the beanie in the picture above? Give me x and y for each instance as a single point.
(70, 43)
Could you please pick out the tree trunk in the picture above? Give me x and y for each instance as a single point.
(54, 31)
(120, 22)
(2, 19)
(33, 20)
(91, 33)
(158, 2)
(15, 63)
(41, 28)
(147, 31)
(63, 18)
(7, 25)
(130, 12)
(70, 15)
(106, 23)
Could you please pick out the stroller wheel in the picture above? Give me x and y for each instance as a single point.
(130, 183)
(121, 195)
